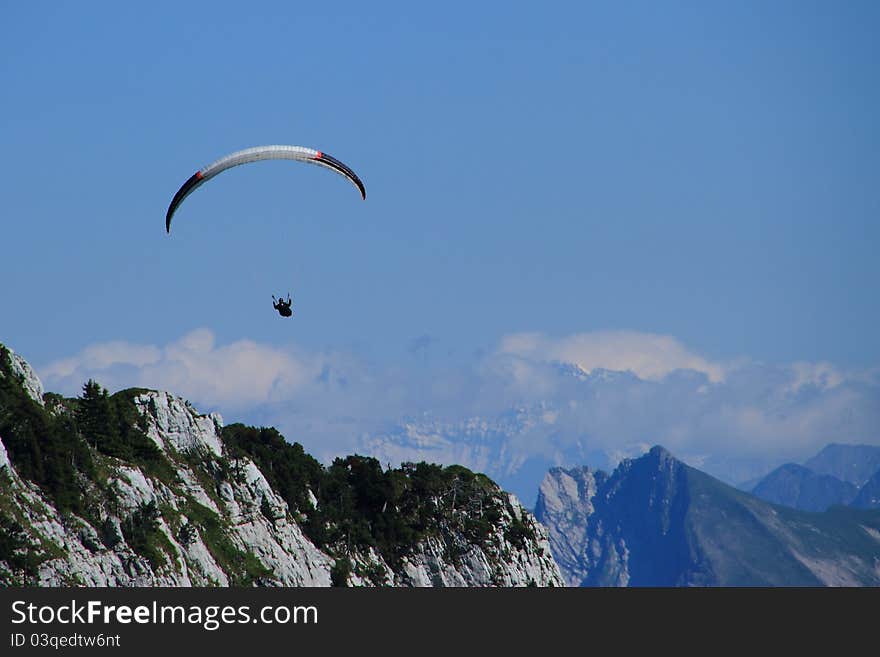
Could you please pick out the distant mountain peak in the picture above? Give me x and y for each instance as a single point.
(853, 463)
(797, 486)
(658, 522)
(661, 454)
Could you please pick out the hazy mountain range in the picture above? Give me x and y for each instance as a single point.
(839, 474)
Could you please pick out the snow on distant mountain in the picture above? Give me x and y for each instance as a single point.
(498, 447)
(515, 447)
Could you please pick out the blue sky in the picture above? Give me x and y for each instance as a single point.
(702, 171)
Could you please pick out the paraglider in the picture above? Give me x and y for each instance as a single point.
(282, 306)
(257, 154)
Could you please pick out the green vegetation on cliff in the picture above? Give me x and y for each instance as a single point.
(360, 505)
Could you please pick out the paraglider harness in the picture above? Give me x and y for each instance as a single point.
(282, 306)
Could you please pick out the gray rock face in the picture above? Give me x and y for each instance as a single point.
(657, 522)
(229, 522)
(199, 515)
(26, 377)
(565, 504)
(497, 563)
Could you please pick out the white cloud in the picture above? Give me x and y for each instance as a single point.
(235, 376)
(822, 375)
(102, 356)
(649, 356)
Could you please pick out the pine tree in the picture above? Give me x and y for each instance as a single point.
(98, 422)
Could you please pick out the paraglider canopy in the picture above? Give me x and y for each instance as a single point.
(256, 154)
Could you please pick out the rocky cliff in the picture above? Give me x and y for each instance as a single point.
(140, 489)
